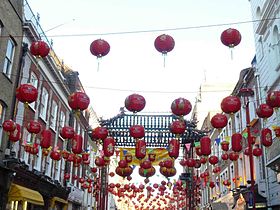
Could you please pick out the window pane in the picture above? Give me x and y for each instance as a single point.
(2, 114)
(44, 104)
(54, 115)
(9, 58)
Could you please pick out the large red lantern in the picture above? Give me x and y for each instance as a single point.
(181, 107)
(46, 139)
(264, 111)
(213, 160)
(219, 121)
(9, 125)
(26, 93)
(39, 48)
(205, 145)
(266, 137)
(137, 131)
(140, 149)
(77, 144)
(231, 37)
(164, 43)
(33, 127)
(178, 127)
(67, 132)
(109, 146)
(236, 142)
(78, 101)
(231, 104)
(135, 103)
(16, 134)
(99, 48)
(273, 99)
(173, 148)
(100, 133)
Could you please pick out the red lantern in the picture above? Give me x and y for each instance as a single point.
(236, 142)
(190, 162)
(146, 164)
(137, 131)
(152, 157)
(9, 125)
(94, 170)
(135, 103)
(247, 151)
(213, 160)
(99, 161)
(203, 160)
(183, 162)
(128, 158)
(16, 134)
(46, 139)
(231, 37)
(65, 154)
(100, 133)
(266, 137)
(140, 149)
(55, 155)
(273, 99)
(231, 104)
(66, 176)
(26, 93)
(78, 101)
(219, 121)
(99, 48)
(178, 127)
(67, 132)
(233, 156)
(173, 148)
(164, 43)
(198, 151)
(77, 144)
(181, 107)
(109, 146)
(225, 146)
(34, 127)
(34, 149)
(257, 151)
(264, 111)
(85, 156)
(225, 156)
(205, 145)
(211, 184)
(39, 48)
(123, 164)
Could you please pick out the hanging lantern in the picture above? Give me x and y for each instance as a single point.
(233, 156)
(219, 121)
(224, 156)
(178, 127)
(247, 151)
(26, 93)
(78, 101)
(128, 158)
(16, 134)
(77, 144)
(146, 164)
(191, 162)
(203, 160)
(109, 146)
(33, 127)
(231, 104)
(225, 146)
(213, 160)
(46, 139)
(67, 132)
(99, 161)
(183, 162)
(100, 133)
(39, 48)
(164, 44)
(94, 170)
(266, 137)
(66, 176)
(137, 131)
(9, 125)
(152, 157)
(77, 160)
(264, 111)
(205, 145)
(197, 163)
(181, 107)
(198, 150)
(65, 154)
(257, 151)
(211, 184)
(236, 142)
(85, 156)
(273, 99)
(230, 37)
(173, 148)
(135, 103)
(99, 48)
(55, 155)
(140, 149)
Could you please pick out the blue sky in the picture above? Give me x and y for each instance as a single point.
(133, 64)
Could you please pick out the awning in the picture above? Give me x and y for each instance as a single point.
(60, 200)
(20, 193)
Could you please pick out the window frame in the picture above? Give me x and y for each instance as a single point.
(3, 108)
(8, 60)
(53, 115)
(33, 80)
(44, 104)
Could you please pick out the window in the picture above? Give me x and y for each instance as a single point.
(44, 103)
(8, 62)
(276, 42)
(2, 116)
(62, 119)
(33, 81)
(53, 119)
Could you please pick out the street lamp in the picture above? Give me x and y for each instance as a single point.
(246, 93)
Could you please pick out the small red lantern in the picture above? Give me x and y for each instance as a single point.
(152, 157)
(26, 93)
(273, 99)
(191, 162)
(99, 161)
(247, 151)
(78, 101)
(225, 156)
(164, 43)
(65, 154)
(257, 151)
(266, 137)
(198, 151)
(183, 162)
(231, 104)
(67, 132)
(213, 160)
(146, 164)
(137, 131)
(9, 125)
(203, 160)
(219, 121)
(211, 184)
(55, 155)
(140, 149)
(233, 156)
(181, 107)
(231, 37)
(173, 148)
(178, 127)
(85, 156)
(99, 48)
(225, 146)
(128, 158)
(100, 133)
(109, 146)
(205, 145)
(77, 144)
(16, 134)
(33, 127)
(66, 176)
(94, 170)
(82, 180)
(236, 142)
(135, 103)
(264, 111)
(46, 139)
(34, 149)
(39, 48)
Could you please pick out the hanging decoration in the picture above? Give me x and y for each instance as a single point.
(99, 133)
(67, 132)
(77, 144)
(164, 44)
(109, 146)
(205, 145)
(264, 111)
(135, 103)
(213, 160)
(46, 139)
(219, 121)
(231, 38)
(9, 126)
(266, 137)
(233, 156)
(99, 48)
(78, 101)
(273, 99)
(16, 134)
(140, 149)
(33, 127)
(173, 148)
(225, 146)
(137, 131)
(257, 151)
(231, 104)
(39, 48)
(178, 127)
(26, 93)
(181, 107)
(236, 142)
